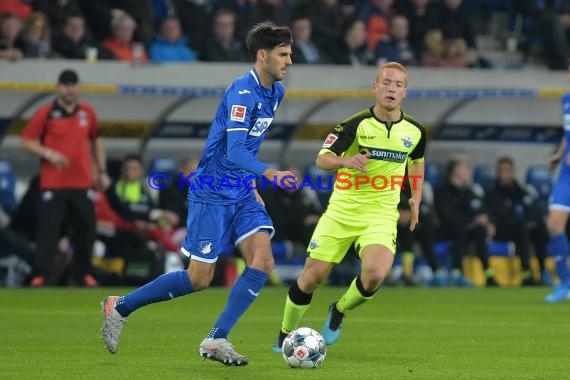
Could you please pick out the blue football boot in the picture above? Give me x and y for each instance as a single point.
(333, 324)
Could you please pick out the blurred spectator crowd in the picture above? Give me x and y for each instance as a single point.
(434, 33)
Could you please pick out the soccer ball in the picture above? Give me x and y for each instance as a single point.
(304, 348)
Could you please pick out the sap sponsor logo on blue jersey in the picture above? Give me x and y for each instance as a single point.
(260, 126)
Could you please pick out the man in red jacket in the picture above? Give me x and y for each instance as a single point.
(64, 133)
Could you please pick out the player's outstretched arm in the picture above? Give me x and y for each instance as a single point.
(284, 179)
(330, 161)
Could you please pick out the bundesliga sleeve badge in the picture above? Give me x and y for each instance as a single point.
(330, 140)
(238, 113)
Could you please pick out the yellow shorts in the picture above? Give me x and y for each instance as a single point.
(332, 238)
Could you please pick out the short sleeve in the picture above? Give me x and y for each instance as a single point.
(93, 125)
(36, 126)
(239, 107)
(417, 154)
(340, 138)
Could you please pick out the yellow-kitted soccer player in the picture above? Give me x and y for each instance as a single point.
(370, 150)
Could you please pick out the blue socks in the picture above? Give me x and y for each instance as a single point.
(558, 248)
(244, 292)
(168, 286)
(176, 284)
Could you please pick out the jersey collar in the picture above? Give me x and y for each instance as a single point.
(385, 121)
(255, 76)
(266, 91)
(63, 111)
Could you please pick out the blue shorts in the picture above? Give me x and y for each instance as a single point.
(560, 197)
(212, 227)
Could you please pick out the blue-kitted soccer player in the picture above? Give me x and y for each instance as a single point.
(559, 209)
(219, 212)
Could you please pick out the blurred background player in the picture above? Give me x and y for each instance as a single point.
(220, 214)
(558, 210)
(517, 217)
(423, 235)
(464, 219)
(377, 141)
(64, 134)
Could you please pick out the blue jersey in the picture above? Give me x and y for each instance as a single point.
(229, 165)
(564, 166)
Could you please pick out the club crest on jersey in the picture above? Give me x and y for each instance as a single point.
(330, 140)
(205, 247)
(47, 196)
(407, 142)
(238, 113)
(260, 126)
(83, 121)
(314, 244)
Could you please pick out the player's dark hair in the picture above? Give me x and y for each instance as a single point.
(452, 165)
(133, 157)
(266, 36)
(505, 160)
(348, 24)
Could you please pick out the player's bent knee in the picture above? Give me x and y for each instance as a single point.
(200, 283)
(199, 279)
(371, 280)
(263, 263)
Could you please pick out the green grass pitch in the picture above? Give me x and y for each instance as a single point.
(400, 334)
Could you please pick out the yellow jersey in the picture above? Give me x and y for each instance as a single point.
(390, 145)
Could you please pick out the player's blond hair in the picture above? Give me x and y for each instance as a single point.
(392, 65)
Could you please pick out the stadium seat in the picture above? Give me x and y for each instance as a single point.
(496, 248)
(501, 248)
(501, 258)
(162, 164)
(433, 174)
(7, 177)
(485, 175)
(539, 178)
(7, 187)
